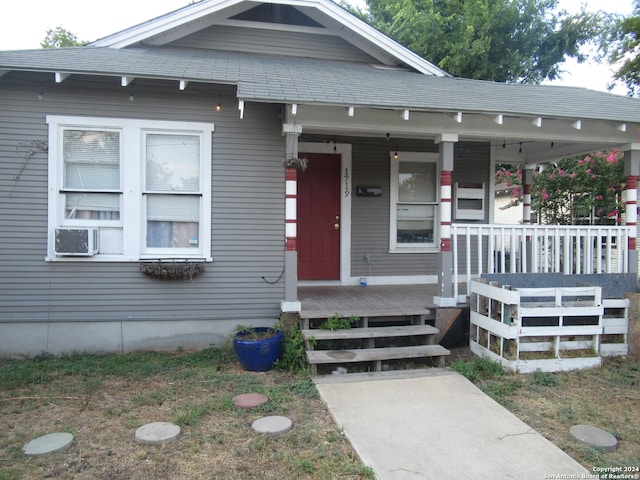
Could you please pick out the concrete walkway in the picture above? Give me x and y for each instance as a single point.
(437, 425)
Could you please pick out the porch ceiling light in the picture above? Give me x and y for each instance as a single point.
(537, 122)
(458, 117)
(351, 111)
(499, 119)
(405, 114)
(577, 124)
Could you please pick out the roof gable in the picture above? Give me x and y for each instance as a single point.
(310, 16)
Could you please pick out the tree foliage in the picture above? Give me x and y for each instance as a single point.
(574, 191)
(522, 41)
(623, 45)
(59, 38)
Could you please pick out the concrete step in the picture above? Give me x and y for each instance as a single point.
(370, 332)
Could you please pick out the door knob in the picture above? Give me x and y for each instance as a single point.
(337, 226)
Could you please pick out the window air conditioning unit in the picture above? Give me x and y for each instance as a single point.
(82, 242)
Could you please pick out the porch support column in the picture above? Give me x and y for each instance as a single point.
(291, 304)
(446, 278)
(527, 181)
(631, 171)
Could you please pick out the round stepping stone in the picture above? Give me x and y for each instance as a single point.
(272, 426)
(157, 433)
(249, 400)
(594, 436)
(54, 442)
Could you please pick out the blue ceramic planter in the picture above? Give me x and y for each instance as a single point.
(257, 355)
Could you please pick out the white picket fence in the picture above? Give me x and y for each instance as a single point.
(568, 249)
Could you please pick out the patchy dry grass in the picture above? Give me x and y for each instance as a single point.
(607, 397)
(103, 400)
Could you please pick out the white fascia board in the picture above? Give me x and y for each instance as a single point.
(164, 23)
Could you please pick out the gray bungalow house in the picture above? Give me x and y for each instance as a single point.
(145, 203)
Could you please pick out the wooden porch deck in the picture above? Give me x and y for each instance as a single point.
(372, 300)
(397, 323)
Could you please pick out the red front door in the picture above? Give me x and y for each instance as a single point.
(319, 218)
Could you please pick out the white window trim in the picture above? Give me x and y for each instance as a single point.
(394, 158)
(132, 134)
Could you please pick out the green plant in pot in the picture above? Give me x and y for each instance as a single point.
(257, 348)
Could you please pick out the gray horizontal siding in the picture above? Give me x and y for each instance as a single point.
(472, 164)
(247, 209)
(370, 215)
(274, 42)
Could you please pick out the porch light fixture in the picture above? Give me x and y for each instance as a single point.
(520, 149)
(218, 106)
(132, 98)
(395, 155)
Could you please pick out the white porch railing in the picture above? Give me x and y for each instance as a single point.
(568, 249)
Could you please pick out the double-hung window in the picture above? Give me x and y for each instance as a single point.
(91, 191)
(172, 192)
(143, 185)
(414, 201)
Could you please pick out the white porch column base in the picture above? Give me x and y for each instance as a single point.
(290, 307)
(445, 301)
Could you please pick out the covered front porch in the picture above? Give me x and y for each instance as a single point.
(447, 237)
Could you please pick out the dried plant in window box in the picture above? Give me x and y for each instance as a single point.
(172, 269)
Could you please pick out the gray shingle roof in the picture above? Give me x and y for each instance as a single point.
(280, 79)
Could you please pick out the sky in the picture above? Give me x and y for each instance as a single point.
(23, 25)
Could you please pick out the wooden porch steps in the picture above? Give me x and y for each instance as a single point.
(415, 316)
(362, 345)
(370, 332)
